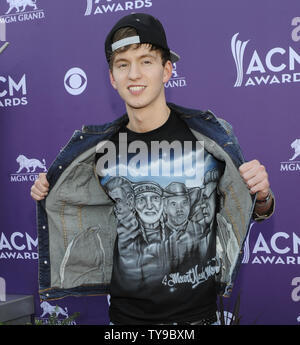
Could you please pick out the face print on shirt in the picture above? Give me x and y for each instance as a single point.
(156, 224)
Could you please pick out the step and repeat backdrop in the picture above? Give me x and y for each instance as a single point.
(240, 59)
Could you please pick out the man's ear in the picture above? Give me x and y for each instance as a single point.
(112, 79)
(168, 68)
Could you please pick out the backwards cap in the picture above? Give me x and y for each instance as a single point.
(149, 30)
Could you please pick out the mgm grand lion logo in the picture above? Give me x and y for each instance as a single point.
(17, 4)
(30, 163)
(296, 146)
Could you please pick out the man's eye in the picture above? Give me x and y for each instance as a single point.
(147, 62)
(122, 65)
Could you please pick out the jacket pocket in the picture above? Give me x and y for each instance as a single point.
(84, 260)
(80, 186)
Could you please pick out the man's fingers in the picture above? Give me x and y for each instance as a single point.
(43, 180)
(262, 188)
(38, 191)
(251, 170)
(38, 194)
(35, 197)
(41, 186)
(248, 165)
(257, 178)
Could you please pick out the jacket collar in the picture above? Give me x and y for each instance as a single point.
(115, 125)
(204, 122)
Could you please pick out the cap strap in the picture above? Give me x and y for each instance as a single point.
(125, 42)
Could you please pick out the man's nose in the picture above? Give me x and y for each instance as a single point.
(178, 207)
(149, 203)
(134, 71)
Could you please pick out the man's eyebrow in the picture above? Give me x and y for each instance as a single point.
(118, 59)
(149, 55)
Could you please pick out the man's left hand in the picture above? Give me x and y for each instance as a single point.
(255, 176)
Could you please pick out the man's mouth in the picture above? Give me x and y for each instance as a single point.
(205, 213)
(150, 213)
(136, 89)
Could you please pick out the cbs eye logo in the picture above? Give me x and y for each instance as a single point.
(75, 81)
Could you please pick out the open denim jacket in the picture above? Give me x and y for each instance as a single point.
(77, 225)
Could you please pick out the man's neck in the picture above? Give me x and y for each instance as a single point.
(147, 119)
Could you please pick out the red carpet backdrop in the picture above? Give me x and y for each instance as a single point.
(240, 59)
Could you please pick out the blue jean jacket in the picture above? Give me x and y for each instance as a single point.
(77, 225)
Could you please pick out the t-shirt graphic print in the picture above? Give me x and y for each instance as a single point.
(165, 195)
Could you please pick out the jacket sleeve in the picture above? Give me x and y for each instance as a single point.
(229, 130)
(258, 218)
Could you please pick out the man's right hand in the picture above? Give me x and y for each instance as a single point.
(39, 189)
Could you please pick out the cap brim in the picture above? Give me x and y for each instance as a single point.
(174, 57)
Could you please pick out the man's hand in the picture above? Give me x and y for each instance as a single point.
(256, 178)
(39, 189)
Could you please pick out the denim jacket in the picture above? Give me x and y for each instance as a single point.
(77, 225)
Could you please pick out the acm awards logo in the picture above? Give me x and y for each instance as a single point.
(21, 11)
(278, 66)
(13, 91)
(18, 246)
(292, 164)
(281, 249)
(94, 7)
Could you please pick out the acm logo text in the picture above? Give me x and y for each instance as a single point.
(278, 66)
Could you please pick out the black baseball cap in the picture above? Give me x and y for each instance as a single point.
(149, 30)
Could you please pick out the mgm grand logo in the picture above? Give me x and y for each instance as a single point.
(292, 164)
(21, 11)
(29, 168)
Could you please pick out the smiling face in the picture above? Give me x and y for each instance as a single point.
(139, 76)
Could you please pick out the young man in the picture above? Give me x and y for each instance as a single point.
(177, 163)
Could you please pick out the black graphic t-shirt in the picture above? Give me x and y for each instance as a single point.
(164, 185)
